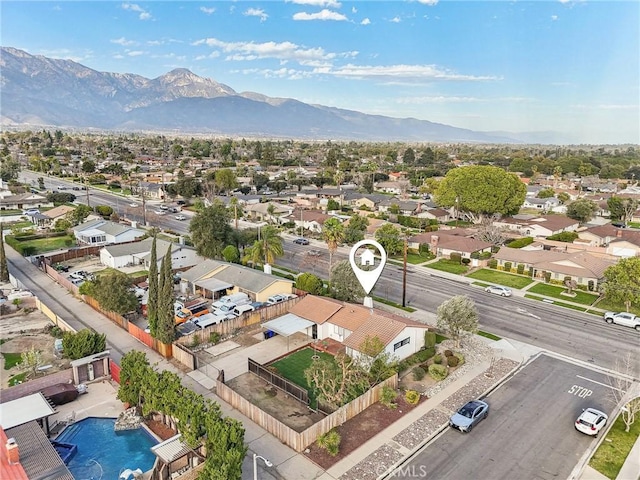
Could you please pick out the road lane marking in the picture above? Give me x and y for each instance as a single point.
(599, 383)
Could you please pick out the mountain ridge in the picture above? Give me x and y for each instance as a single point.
(37, 90)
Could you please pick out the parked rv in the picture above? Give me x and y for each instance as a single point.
(192, 311)
(210, 319)
(240, 309)
(235, 298)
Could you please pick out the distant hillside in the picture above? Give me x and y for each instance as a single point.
(40, 91)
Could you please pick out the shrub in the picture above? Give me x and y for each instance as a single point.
(520, 242)
(590, 285)
(214, 337)
(460, 358)
(567, 237)
(195, 341)
(424, 355)
(452, 361)
(448, 353)
(388, 396)
(82, 344)
(547, 277)
(455, 257)
(429, 339)
(418, 373)
(403, 365)
(412, 397)
(330, 441)
(493, 263)
(507, 266)
(520, 269)
(466, 261)
(438, 372)
(437, 359)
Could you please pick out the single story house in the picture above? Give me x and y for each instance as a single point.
(311, 220)
(443, 243)
(24, 201)
(153, 191)
(61, 211)
(260, 211)
(105, 232)
(582, 267)
(394, 188)
(139, 253)
(439, 214)
(214, 279)
(542, 226)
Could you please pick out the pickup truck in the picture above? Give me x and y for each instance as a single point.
(623, 318)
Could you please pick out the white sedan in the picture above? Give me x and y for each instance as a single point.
(180, 217)
(499, 290)
(591, 421)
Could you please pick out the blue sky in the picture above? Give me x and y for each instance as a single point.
(566, 66)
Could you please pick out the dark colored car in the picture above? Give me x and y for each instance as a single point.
(301, 241)
(469, 415)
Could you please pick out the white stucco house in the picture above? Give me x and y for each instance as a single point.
(139, 253)
(105, 232)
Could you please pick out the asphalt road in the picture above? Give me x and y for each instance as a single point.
(582, 336)
(529, 432)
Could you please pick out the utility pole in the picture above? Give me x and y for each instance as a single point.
(404, 274)
(144, 208)
(87, 189)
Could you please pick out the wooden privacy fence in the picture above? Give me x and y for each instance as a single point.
(184, 356)
(114, 368)
(301, 440)
(64, 281)
(279, 381)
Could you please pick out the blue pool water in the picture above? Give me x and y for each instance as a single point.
(103, 453)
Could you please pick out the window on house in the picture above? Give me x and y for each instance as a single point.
(401, 343)
(338, 330)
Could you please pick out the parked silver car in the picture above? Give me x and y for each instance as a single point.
(499, 290)
(469, 415)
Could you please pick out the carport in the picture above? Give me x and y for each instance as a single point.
(212, 286)
(288, 324)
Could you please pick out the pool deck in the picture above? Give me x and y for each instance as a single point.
(99, 401)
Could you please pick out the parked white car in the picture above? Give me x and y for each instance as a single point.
(623, 318)
(499, 290)
(591, 421)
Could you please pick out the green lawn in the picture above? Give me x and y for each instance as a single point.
(608, 305)
(293, 366)
(43, 245)
(612, 453)
(448, 266)
(583, 298)
(412, 258)
(17, 379)
(9, 213)
(488, 335)
(11, 360)
(500, 278)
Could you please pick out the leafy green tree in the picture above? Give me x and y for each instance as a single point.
(546, 193)
(389, 237)
(104, 211)
(61, 197)
(113, 292)
(78, 214)
(225, 449)
(310, 283)
(266, 249)
(62, 225)
(582, 210)
(9, 169)
(563, 197)
(41, 183)
(152, 300)
(134, 372)
(333, 234)
(166, 317)
(458, 317)
(338, 380)
(481, 191)
(376, 361)
(83, 343)
(355, 229)
(210, 230)
(4, 267)
(231, 254)
(88, 166)
(31, 360)
(225, 180)
(344, 284)
(333, 205)
(622, 282)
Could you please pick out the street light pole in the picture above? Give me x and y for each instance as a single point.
(255, 464)
(404, 274)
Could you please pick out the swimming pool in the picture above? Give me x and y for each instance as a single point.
(103, 453)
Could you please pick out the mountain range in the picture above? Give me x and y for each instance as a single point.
(40, 91)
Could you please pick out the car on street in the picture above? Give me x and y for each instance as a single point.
(133, 205)
(31, 211)
(301, 241)
(591, 421)
(161, 212)
(180, 217)
(314, 253)
(623, 318)
(469, 415)
(499, 290)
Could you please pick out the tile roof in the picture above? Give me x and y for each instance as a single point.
(58, 211)
(9, 471)
(577, 264)
(316, 309)
(351, 316)
(247, 278)
(383, 327)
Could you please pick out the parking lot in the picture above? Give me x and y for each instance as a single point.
(529, 432)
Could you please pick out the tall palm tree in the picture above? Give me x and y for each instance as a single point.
(333, 234)
(267, 249)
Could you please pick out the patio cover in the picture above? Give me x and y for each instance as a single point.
(213, 284)
(23, 410)
(92, 232)
(287, 324)
(171, 449)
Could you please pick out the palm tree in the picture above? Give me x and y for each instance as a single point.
(271, 210)
(333, 234)
(267, 249)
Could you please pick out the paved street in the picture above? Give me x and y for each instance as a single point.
(529, 432)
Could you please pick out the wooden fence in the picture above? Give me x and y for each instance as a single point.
(184, 356)
(301, 440)
(114, 368)
(60, 279)
(74, 253)
(279, 381)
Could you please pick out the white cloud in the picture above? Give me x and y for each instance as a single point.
(413, 73)
(354, 10)
(318, 3)
(123, 41)
(283, 51)
(324, 14)
(442, 99)
(256, 12)
(207, 11)
(395, 20)
(134, 53)
(428, 2)
(134, 7)
(554, 17)
(366, 21)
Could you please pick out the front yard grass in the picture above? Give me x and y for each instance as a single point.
(500, 278)
(43, 245)
(11, 360)
(614, 450)
(554, 291)
(292, 367)
(412, 258)
(450, 266)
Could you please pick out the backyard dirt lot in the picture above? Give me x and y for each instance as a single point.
(20, 332)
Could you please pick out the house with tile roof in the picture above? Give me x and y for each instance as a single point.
(443, 243)
(260, 211)
(24, 201)
(583, 267)
(351, 324)
(542, 226)
(105, 232)
(310, 220)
